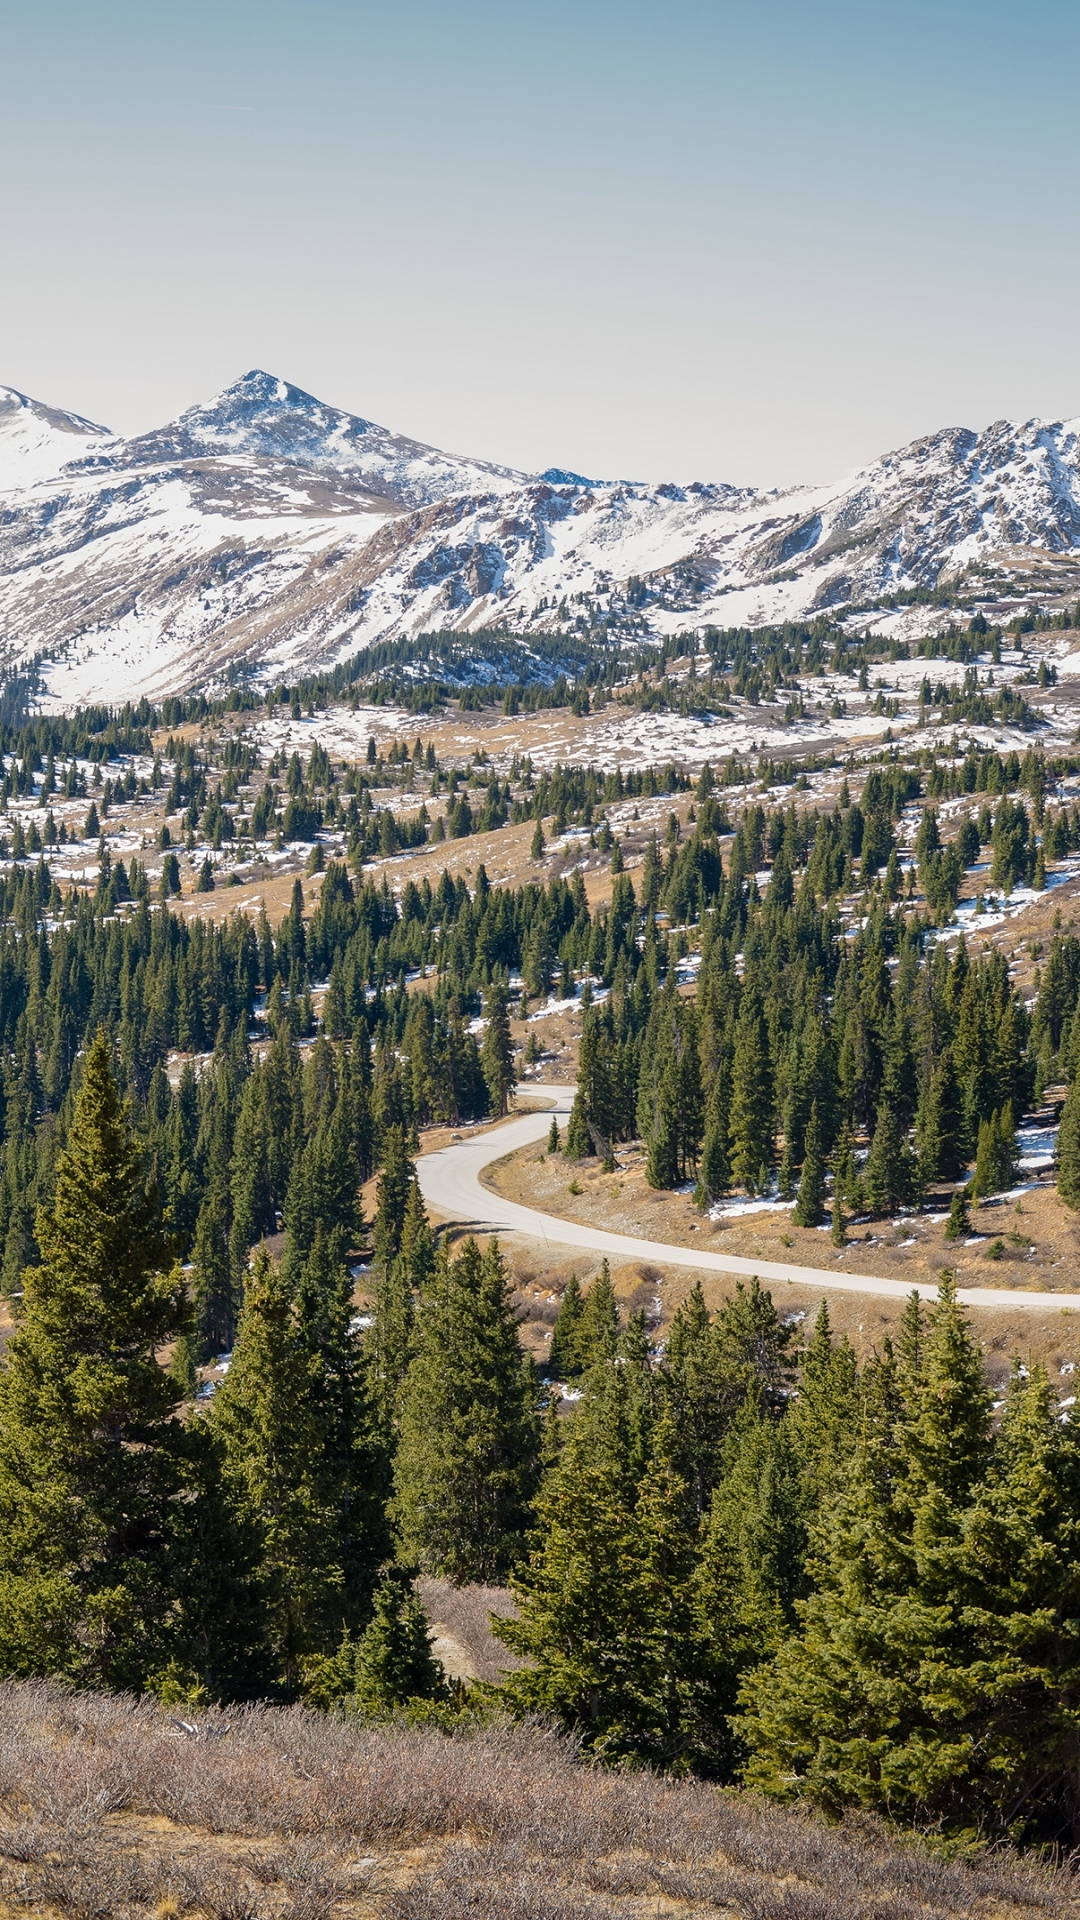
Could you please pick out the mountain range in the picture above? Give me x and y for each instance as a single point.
(266, 534)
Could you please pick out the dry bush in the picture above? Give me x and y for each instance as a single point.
(109, 1807)
(465, 1612)
(646, 1299)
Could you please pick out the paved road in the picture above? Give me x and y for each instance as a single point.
(451, 1186)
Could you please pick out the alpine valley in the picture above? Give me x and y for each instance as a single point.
(267, 535)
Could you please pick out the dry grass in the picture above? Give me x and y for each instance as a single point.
(109, 1807)
(460, 1619)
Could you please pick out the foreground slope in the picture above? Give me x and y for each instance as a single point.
(119, 1808)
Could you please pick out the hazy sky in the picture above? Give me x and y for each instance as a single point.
(760, 242)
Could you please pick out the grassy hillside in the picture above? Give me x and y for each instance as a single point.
(112, 1807)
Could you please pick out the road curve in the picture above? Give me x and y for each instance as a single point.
(451, 1185)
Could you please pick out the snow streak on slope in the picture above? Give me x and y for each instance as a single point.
(267, 533)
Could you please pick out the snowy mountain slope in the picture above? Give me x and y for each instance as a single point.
(263, 419)
(36, 441)
(267, 533)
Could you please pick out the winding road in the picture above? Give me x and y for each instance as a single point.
(451, 1185)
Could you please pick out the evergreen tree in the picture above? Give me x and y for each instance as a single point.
(1068, 1147)
(94, 1464)
(752, 1096)
(958, 1224)
(391, 1664)
(467, 1457)
(621, 1648)
(888, 1166)
(392, 1191)
(497, 1053)
(811, 1200)
(599, 1325)
(565, 1361)
(838, 1231)
(266, 1421)
(714, 1171)
(754, 1541)
(939, 1124)
(995, 1154)
(876, 1701)
(825, 1419)
(578, 1138)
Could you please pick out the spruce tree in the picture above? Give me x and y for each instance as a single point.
(714, 1171)
(875, 1701)
(811, 1200)
(754, 1541)
(266, 1422)
(888, 1168)
(578, 1138)
(1068, 1147)
(469, 1436)
(599, 1325)
(95, 1467)
(392, 1191)
(390, 1664)
(751, 1119)
(564, 1360)
(621, 1648)
(497, 1052)
(958, 1224)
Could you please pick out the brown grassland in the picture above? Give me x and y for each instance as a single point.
(113, 1807)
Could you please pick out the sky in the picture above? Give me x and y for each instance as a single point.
(759, 242)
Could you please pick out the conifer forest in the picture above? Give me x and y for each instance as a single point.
(736, 1546)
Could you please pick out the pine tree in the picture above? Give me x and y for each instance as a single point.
(467, 1457)
(390, 1664)
(266, 1423)
(958, 1225)
(1068, 1147)
(564, 1359)
(751, 1102)
(598, 1328)
(553, 1137)
(888, 1168)
(94, 1465)
(874, 1702)
(578, 1138)
(497, 1053)
(811, 1200)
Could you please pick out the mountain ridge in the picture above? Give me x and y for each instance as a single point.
(265, 533)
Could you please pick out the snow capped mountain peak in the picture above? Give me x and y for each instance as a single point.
(265, 419)
(36, 440)
(262, 416)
